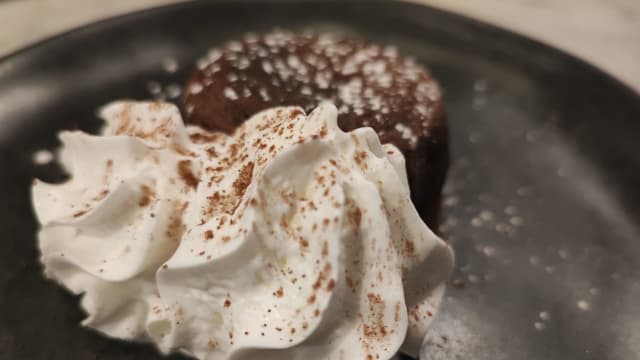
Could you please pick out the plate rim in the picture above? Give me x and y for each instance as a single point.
(39, 45)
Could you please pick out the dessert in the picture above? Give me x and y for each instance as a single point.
(287, 238)
(372, 86)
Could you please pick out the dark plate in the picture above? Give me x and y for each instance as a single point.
(542, 201)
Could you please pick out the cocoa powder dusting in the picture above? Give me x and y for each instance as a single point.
(212, 152)
(204, 137)
(80, 213)
(295, 113)
(411, 249)
(244, 178)
(375, 329)
(279, 293)
(331, 285)
(101, 195)
(146, 195)
(186, 174)
(325, 248)
(304, 242)
(176, 227)
(355, 216)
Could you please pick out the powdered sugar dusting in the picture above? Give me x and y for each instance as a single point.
(42, 157)
(367, 82)
(230, 94)
(407, 134)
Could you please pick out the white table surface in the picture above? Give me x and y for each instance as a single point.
(603, 32)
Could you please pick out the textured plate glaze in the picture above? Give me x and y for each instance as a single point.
(542, 201)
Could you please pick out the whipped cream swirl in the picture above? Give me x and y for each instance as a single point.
(289, 239)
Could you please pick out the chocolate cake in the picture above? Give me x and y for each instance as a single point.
(371, 85)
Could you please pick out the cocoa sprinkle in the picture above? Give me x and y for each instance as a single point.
(244, 178)
(146, 197)
(186, 174)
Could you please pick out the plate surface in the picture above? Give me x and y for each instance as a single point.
(542, 201)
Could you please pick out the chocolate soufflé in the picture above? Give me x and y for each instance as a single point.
(371, 85)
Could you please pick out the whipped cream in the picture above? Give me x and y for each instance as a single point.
(289, 239)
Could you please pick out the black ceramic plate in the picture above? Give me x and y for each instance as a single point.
(542, 201)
